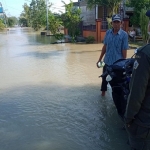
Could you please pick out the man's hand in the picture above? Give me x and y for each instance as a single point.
(97, 64)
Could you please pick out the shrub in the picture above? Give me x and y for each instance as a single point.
(90, 39)
(2, 26)
(59, 36)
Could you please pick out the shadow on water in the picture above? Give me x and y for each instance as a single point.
(40, 55)
(46, 55)
(50, 117)
(55, 103)
(41, 39)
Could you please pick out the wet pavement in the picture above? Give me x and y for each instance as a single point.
(50, 98)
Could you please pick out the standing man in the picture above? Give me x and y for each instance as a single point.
(137, 115)
(114, 48)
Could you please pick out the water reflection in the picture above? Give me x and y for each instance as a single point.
(33, 36)
(50, 99)
(41, 39)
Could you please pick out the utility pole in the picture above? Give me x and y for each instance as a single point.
(47, 26)
(5, 18)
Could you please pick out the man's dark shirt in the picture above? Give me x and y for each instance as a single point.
(138, 105)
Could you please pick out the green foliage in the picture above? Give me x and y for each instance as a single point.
(90, 39)
(11, 21)
(2, 26)
(112, 4)
(138, 5)
(144, 25)
(59, 36)
(71, 19)
(109, 23)
(25, 19)
(54, 23)
(37, 13)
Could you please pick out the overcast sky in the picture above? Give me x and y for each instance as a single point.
(14, 7)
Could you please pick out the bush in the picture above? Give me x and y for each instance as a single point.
(90, 39)
(59, 36)
(2, 26)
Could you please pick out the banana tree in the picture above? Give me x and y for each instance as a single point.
(144, 25)
(71, 19)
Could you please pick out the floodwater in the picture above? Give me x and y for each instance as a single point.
(50, 98)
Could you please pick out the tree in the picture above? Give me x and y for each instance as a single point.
(71, 19)
(144, 25)
(11, 21)
(138, 5)
(112, 4)
(37, 13)
(23, 21)
(2, 26)
(54, 23)
(25, 15)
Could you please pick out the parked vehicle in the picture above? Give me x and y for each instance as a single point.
(118, 75)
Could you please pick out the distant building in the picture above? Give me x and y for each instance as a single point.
(1, 8)
(88, 15)
(94, 21)
(101, 12)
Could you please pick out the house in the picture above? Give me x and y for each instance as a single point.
(94, 20)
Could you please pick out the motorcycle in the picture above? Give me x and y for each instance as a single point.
(118, 75)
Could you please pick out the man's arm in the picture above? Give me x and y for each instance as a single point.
(102, 54)
(124, 53)
(125, 46)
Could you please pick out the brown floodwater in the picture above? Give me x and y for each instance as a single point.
(50, 96)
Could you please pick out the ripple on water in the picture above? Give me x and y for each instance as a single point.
(50, 98)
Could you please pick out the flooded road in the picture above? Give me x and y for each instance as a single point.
(50, 98)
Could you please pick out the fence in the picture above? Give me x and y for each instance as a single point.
(90, 27)
(104, 26)
(98, 31)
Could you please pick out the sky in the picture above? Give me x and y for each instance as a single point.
(14, 7)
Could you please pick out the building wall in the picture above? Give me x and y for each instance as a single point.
(89, 33)
(98, 34)
(102, 34)
(89, 18)
(88, 15)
